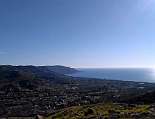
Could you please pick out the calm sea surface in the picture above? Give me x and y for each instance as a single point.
(126, 74)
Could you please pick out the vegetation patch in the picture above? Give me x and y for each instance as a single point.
(108, 110)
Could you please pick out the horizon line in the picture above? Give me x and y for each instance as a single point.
(79, 67)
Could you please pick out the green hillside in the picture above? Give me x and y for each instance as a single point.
(106, 111)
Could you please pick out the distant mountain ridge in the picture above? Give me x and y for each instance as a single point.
(60, 69)
(32, 77)
(55, 68)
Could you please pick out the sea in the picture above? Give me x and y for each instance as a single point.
(125, 74)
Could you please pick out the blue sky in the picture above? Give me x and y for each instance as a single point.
(78, 33)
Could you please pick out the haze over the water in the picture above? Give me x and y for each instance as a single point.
(78, 33)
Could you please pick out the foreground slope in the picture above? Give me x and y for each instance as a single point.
(106, 111)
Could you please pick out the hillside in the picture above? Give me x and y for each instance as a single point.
(40, 70)
(31, 90)
(29, 74)
(147, 98)
(106, 111)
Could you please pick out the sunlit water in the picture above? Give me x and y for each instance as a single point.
(126, 74)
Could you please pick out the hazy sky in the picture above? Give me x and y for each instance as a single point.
(78, 33)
